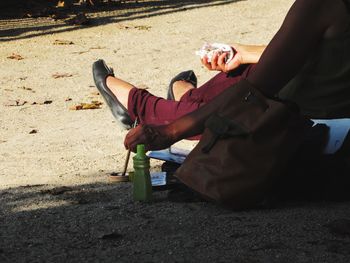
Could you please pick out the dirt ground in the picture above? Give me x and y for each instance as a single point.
(56, 203)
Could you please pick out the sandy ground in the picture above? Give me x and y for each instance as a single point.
(44, 145)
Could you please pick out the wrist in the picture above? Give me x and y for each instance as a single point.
(249, 54)
(172, 132)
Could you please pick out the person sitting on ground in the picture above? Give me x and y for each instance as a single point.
(307, 62)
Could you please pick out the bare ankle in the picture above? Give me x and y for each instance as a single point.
(120, 89)
(180, 88)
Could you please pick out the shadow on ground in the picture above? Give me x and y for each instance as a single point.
(53, 20)
(101, 223)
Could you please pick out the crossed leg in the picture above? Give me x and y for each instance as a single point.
(155, 110)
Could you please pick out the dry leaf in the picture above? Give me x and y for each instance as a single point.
(96, 102)
(42, 102)
(80, 52)
(139, 27)
(60, 4)
(61, 75)
(63, 42)
(98, 47)
(143, 27)
(85, 51)
(25, 88)
(15, 103)
(76, 107)
(122, 26)
(15, 56)
(90, 106)
(87, 106)
(64, 3)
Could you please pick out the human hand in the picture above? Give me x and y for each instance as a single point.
(218, 61)
(153, 137)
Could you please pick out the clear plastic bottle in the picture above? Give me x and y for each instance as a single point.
(142, 186)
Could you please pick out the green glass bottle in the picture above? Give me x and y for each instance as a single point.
(142, 187)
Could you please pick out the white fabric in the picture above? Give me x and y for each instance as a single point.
(338, 129)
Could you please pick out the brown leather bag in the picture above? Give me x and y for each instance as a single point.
(245, 147)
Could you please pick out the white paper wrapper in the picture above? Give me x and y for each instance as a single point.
(158, 178)
(210, 49)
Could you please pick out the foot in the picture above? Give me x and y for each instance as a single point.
(185, 77)
(100, 73)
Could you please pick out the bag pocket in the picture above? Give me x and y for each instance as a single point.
(222, 127)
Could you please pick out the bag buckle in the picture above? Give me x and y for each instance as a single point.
(251, 97)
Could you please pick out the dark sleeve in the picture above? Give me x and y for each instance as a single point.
(301, 31)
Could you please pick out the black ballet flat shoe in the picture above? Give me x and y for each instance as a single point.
(100, 72)
(187, 76)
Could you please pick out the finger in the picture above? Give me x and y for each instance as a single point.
(206, 63)
(214, 61)
(132, 144)
(222, 60)
(133, 147)
(127, 140)
(131, 136)
(233, 64)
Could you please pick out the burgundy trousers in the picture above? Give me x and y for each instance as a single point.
(155, 110)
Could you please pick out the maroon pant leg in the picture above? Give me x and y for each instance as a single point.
(216, 85)
(156, 110)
